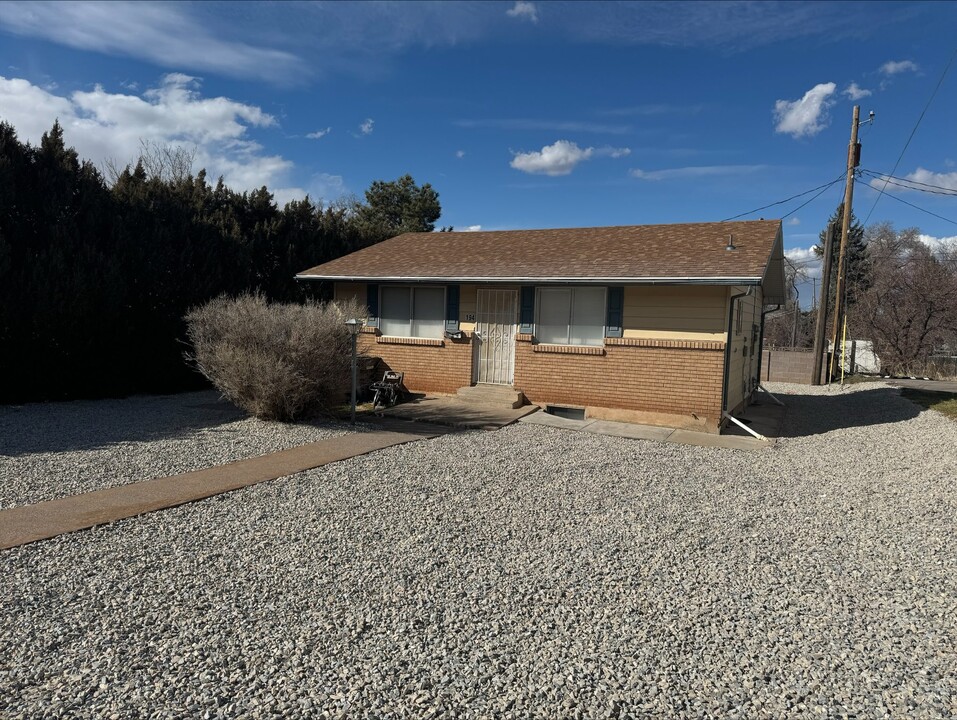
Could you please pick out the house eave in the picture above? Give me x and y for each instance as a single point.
(526, 280)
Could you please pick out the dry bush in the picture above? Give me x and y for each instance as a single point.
(276, 361)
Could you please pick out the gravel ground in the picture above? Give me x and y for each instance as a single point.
(49, 450)
(528, 572)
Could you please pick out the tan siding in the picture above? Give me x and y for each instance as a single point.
(672, 312)
(350, 291)
(467, 296)
(673, 335)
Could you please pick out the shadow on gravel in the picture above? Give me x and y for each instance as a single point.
(816, 414)
(87, 424)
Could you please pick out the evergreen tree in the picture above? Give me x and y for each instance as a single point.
(397, 207)
(855, 255)
(95, 280)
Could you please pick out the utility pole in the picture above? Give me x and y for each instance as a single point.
(822, 306)
(853, 160)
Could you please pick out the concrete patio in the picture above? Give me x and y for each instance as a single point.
(764, 416)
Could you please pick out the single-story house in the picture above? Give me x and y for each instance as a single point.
(654, 324)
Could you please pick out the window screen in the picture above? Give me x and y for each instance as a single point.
(554, 312)
(412, 311)
(588, 317)
(571, 316)
(395, 311)
(428, 312)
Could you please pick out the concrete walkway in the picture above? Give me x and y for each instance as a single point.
(763, 415)
(22, 525)
(943, 386)
(646, 432)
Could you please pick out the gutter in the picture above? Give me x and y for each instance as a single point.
(746, 281)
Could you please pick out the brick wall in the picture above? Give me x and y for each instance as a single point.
(665, 381)
(434, 366)
(668, 382)
(790, 366)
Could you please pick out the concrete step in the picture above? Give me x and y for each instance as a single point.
(501, 396)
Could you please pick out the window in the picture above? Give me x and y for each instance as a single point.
(412, 311)
(571, 316)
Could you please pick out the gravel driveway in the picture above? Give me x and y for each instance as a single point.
(50, 450)
(528, 572)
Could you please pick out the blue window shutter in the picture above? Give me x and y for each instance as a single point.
(527, 316)
(372, 301)
(452, 308)
(615, 315)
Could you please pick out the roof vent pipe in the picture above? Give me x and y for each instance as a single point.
(730, 245)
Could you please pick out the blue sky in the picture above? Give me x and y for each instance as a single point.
(520, 114)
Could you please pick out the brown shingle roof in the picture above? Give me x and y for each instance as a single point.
(685, 252)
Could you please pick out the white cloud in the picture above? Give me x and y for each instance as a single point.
(166, 34)
(319, 134)
(285, 195)
(613, 152)
(105, 126)
(328, 187)
(892, 67)
(469, 228)
(695, 171)
(560, 158)
(323, 186)
(524, 10)
(944, 180)
(919, 178)
(460, 154)
(367, 127)
(806, 260)
(794, 221)
(855, 92)
(807, 116)
(936, 244)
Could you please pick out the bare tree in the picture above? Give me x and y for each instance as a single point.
(166, 162)
(911, 305)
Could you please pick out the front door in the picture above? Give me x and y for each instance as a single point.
(496, 324)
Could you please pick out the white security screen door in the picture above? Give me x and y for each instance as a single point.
(496, 324)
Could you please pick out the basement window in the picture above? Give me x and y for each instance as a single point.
(563, 411)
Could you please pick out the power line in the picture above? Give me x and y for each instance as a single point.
(880, 194)
(815, 197)
(803, 263)
(823, 187)
(909, 184)
(907, 180)
(917, 207)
